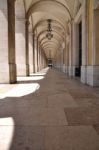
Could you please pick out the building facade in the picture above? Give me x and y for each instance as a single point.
(66, 31)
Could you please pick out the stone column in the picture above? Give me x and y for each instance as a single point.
(93, 70)
(41, 59)
(35, 52)
(67, 57)
(31, 53)
(27, 47)
(62, 63)
(7, 42)
(38, 57)
(84, 43)
(59, 60)
(75, 47)
(20, 42)
(44, 61)
(71, 49)
(90, 68)
(64, 57)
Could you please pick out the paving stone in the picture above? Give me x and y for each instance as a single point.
(35, 116)
(75, 116)
(84, 102)
(24, 138)
(71, 138)
(61, 100)
(62, 114)
(82, 94)
(82, 116)
(96, 127)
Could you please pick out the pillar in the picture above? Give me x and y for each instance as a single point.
(35, 52)
(38, 57)
(63, 57)
(64, 60)
(27, 47)
(20, 38)
(93, 70)
(41, 59)
(31, 67)
(67, 57)
(75, 47)
(7, 42)
(84, 42)
(90, 70)
(71, 49)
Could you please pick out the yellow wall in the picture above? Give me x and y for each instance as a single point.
(90, 29)
(96, 28)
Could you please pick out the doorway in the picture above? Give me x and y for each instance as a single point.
(78, 69)
(80, 47)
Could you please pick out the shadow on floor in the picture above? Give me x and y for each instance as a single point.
(25, 120)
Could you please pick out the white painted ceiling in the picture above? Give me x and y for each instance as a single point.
(60, 12)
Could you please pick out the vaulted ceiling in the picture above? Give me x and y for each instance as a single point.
(60, 12)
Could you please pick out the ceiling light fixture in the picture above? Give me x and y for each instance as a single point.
(49, 35)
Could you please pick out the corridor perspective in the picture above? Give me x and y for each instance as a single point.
(49, 74)
(60, 114)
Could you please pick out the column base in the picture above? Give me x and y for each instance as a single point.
(93, 75)
(64, 68)
(37, 69)
(4, 73)
(70, 69)
(74, 70)
(57, 67)
(84, 74)
(8, 73)
(31, 69)
(27, 70)
(90, 75)
(12, 72)
(21, 70)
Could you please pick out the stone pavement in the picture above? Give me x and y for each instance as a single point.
(49, 112)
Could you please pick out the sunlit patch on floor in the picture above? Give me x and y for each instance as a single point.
(6, 132)
(31, 78)
(20, 90)
(41, 73)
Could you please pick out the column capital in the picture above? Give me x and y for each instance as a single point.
(20, 19)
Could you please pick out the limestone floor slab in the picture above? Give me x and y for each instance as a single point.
(44, 117)
(34, 116)
(71, 138)
(82, 116)
(21, 138)
(61, 100)
(22, 102)
(96, 127)
(85, 102)
(82, 93)
(62, 114)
